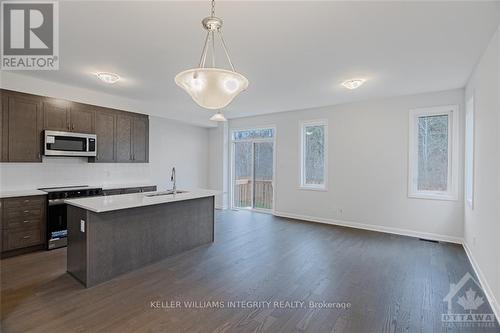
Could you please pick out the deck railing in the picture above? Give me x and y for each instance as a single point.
(263, 193)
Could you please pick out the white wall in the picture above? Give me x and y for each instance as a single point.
(171, 144)
(218, 164)
(368, 163)
(482, 224)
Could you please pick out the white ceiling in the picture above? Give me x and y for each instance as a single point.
(295, 53)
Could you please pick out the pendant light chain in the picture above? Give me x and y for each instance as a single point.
(210, 38)
(225, 50)
(204, 51)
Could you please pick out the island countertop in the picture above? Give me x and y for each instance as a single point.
(123, 201)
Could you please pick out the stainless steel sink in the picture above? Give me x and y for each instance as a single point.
(168, 192)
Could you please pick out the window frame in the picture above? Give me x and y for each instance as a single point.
(232, 172)
(469, 149)
(452, 111)
(302, 183)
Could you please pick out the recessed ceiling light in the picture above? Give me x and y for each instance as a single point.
(353, 84)
(108, 77)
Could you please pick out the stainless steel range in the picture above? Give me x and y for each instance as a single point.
(56, 211)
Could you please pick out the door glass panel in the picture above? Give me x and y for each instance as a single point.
(243, 174)
(263, 174)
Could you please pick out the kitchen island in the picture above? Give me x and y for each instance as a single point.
(112, 235)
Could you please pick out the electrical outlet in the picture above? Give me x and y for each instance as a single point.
(340, 212)
(82, 225)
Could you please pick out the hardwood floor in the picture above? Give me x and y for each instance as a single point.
(392, 283)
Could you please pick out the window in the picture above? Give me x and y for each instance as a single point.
(469, 152)
(314, 155)
(433, 158)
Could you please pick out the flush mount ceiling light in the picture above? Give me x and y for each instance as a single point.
(353, 84)
(219, 116)
(108, 77)
(212, 87)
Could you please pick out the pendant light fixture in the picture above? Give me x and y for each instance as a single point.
(219, 116)
(212, 87)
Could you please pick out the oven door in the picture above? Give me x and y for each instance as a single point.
(56, 224)
(69, 144)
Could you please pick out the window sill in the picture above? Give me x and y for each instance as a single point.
(433, 196)
(313, 188)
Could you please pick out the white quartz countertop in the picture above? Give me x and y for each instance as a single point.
(20, 193)
(123, 201)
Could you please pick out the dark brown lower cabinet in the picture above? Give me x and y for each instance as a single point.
(23, 223)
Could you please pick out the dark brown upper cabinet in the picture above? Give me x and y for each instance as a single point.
(123, 138)
(81, 118)
(21, 125)
(140, 139)
(61, 115)
(56, 113)
(105, 129)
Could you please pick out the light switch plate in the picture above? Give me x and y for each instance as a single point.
(82, 225)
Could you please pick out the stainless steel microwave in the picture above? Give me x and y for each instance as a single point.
(58, 143)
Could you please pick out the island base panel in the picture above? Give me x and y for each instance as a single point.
(121, 241)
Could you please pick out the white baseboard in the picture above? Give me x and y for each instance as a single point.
(371, 227)
(484, 283)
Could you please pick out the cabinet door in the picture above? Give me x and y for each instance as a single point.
(56, 115)
(22, 128)
(123, 138)
(81, 118)
(140, 138)
(105, 131)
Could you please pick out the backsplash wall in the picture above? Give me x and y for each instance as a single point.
(170, 144)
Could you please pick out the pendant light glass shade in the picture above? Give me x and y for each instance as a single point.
(211, 88)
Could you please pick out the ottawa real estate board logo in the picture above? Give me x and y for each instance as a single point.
(29, 35)
(467, 306)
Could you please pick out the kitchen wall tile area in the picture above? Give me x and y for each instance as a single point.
(64, 171)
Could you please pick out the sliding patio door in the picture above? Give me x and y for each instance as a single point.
(253, 169)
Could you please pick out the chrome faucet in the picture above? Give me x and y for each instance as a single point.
(173, 179)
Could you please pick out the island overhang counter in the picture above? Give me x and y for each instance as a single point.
(111, 235)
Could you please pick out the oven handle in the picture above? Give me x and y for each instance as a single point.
(56, 202)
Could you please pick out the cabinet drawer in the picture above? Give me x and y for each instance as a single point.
(20, 213)
(24, 223)
(15, 239)
(24, 201)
